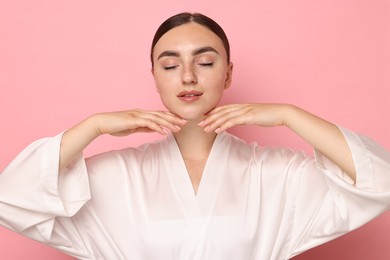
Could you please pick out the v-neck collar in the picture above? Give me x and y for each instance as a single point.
(201, 203)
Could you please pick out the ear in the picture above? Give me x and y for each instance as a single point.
(229, 76)
(154, 79)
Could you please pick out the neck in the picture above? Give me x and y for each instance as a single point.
(194, 143)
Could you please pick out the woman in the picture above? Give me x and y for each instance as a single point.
(200, 193)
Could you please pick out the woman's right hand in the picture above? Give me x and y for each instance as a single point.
(122, 123)
(137, 120)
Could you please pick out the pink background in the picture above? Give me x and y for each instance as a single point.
(61, 61)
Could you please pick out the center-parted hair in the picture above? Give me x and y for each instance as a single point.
(184, 18)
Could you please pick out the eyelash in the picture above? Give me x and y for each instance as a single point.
(169, 67)
(208, 64)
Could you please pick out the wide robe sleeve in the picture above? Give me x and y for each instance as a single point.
(38, 202)
(328, 204)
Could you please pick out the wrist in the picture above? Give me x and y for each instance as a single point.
(288, 114)
(91, 125)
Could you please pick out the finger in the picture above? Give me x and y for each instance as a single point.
(143, 130)
(220, 113)
(170, 117)
(143, 124)
(134, 128)
(235, 117)
(174, 118)
(233, 121)
(163, 120)
(213, 115)
(222, 108)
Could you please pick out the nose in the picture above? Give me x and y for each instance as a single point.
(189, 75)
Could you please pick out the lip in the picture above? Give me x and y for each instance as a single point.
(189, 96)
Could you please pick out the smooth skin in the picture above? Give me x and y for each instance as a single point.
(192, 58)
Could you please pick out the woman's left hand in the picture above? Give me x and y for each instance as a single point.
(224, 117)
(324, 136)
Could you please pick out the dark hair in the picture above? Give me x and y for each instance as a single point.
(184, 18)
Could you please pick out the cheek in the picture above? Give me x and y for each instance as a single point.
(164, 89)
(217, 76)
(160, 83)
(164, 79)
(217, 82)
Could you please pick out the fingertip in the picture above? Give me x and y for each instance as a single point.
(163, 131)
(207, 129)
(180, 122)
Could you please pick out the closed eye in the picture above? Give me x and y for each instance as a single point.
(206, 64)
(170, 67)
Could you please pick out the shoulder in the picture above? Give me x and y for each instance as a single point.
(120, 159)
(240, 147)
(265, 158)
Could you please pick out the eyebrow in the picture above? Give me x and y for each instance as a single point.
(194, 52)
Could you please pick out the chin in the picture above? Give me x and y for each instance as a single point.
(190, 115)
(191, 112)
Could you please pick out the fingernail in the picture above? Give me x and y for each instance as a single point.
(218, 130)
(201, 123)
(207, 128)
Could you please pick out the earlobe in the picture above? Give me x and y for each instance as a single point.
(229, 76)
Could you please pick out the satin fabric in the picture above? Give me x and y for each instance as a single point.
(138, 203)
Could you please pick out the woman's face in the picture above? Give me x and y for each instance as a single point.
(191, 70)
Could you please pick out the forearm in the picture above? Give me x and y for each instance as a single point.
(323, 136)
(75, 140)
(121, 123)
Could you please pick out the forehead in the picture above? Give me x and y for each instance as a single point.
(188, 37)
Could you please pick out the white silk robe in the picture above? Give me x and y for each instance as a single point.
(138, 203)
